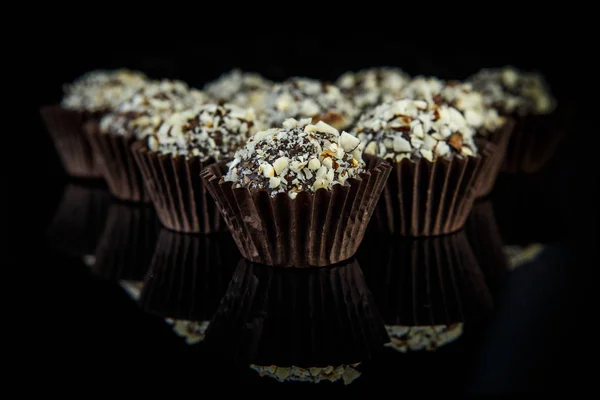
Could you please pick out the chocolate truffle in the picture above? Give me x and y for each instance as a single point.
(370, 87)
(308, 98)
(244, 89)
(512, 91)
(296, 157)
(102, 90)
(480, 116)
(415, 129)
(208, 131)
(143, 113)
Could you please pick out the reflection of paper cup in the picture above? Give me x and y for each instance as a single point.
(426, 281)
(119, 168)
(315, 229)
(482, 230)
(79, 220)
(67, 133)
(296, 317)
(177, 192)
(426, 198)
(127, 243)
(188, 275)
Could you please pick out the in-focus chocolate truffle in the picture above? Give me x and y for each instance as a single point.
(479, 115)
(244, 89)
(102, 90)
(297, 157)
(208, 131)
(308, 98)
(143, 113)
(415, 129)
(513, 91)
(373, 86)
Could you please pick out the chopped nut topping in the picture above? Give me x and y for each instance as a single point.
(430, 132)
(370, 87)
(207, 131)
(101, 90)
(297, 157)
(143, 113)
(308, 98)
(514, 92)
(461, 96)
(244, 89)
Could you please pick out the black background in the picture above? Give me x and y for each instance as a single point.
(64, 52)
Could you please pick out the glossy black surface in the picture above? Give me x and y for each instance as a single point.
(448, 309)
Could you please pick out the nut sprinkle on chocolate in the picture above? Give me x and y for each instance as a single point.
(513, 91)
(297, 157)
(102, 90)
(415, 129)
(308, 98)
(143, 113)
(480, 116)
(370, 87)
(211, 130)
(244, 89)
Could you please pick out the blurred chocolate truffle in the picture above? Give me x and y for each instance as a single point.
(297, 157)
(244, 89)
(369, 87)
(415, 129)
(101, 91)
(308, 98)
(211, 130)
(144, 112)
(512, 91)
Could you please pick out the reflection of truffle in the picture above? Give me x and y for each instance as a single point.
(428, 338)
(370, 87)
(127, 242)
(347, 373)
(79, 220)
(188, 275)
(303, 318)
(415, 129)
(429, 281)
(210, 131)
(192, 331)
(298, 157)
(307, 98)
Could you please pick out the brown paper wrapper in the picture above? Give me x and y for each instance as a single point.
(499, 140)
(483, 234)
(315, 229)
(66, 128)
(425, 281)
(180, 198)
(127, 243)
(303, 317)
(188, 275)
(119, 167)
(79, 220)
(428, 199)
(534, 140)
